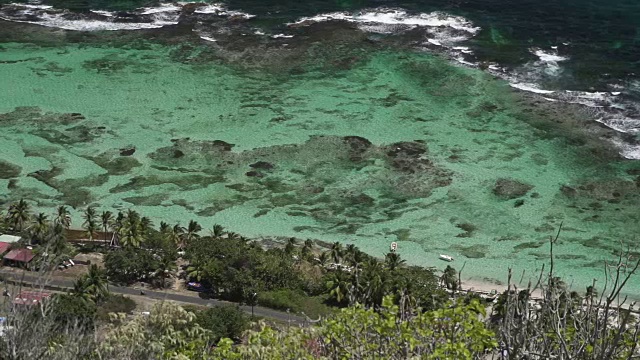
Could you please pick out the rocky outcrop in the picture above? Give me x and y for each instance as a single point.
(262, 165)
(9, 170)
(510, 189)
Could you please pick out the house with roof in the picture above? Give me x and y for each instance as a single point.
(19, 257)
(30, 298)
(4, 247)
(9, 238)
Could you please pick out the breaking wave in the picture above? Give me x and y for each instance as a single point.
(99, 20)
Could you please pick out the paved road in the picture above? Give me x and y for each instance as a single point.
(30, 279)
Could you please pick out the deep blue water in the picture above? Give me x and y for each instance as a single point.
(603, 36)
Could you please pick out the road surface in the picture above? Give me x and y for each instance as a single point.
(63, 284)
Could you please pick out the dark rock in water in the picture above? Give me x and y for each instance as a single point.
(511, 189)
(13, 184)
(190, 8)
(223, 145)
(9, 170)
(535, 195)
(406, 148)
(633, 172)
(568, 191)
(638, 181)
(118, 166)
(357, 146)
(362, 199)
(518, 203)
(262, 165)
(178, 154)
(128, 151)
(254, 174)
(357, 142)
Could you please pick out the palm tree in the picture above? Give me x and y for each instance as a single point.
(290, 246)
(19, 215)
(145, 225)
(90, 224)
(449, 278)
(63, 217)
(393, 261)
(94, 284)
(349, 253)
(131, 233)
(116, 228)
(106, 218)
(176, 235)
(55, 240)
(39, 227)
(192, 231)
(217, 232)
(305, 253)
(338, 286)
(336, 252)
(164, 228)
(374, 283)
(80, 289)
(233, 235)
(323, 258)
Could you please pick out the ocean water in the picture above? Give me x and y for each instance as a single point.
(465, 128)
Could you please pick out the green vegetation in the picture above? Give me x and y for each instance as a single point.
(223, 322)
(369, 308)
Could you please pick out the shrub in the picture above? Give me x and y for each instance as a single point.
(223, 322)
(281, 299)
(114, 304)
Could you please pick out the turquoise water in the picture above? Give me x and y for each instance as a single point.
(337, 139)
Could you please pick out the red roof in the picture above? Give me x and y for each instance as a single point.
(21, 255)
(30, 297)
(4, 247)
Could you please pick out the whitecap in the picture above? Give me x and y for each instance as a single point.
(548, 57)
(162, 8)
(530, 88)
(221, 10)
(207, 38)
(443, 29)
(281, 36)
(103, 13)
(628, 151)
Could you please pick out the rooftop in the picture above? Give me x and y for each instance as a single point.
(4, 247)
(9, 238)
(21, 255)
(30, 297)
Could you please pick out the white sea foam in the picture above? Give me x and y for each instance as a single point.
(281, 36)
(154, 17)
(58, 21)
(628, 151)
(530, 88)
(443, 29)
(549, 57)
(162, 8)
(207, 38)
(103, 13)
(221, 10)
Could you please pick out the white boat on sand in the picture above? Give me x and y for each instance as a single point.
(446, 257)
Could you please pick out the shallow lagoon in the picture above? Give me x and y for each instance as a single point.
(349, 141)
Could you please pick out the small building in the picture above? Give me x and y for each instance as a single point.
(19, 257)
(4, 247)
(30, 298)
(9, 238)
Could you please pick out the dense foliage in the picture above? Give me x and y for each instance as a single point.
(387, 310)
